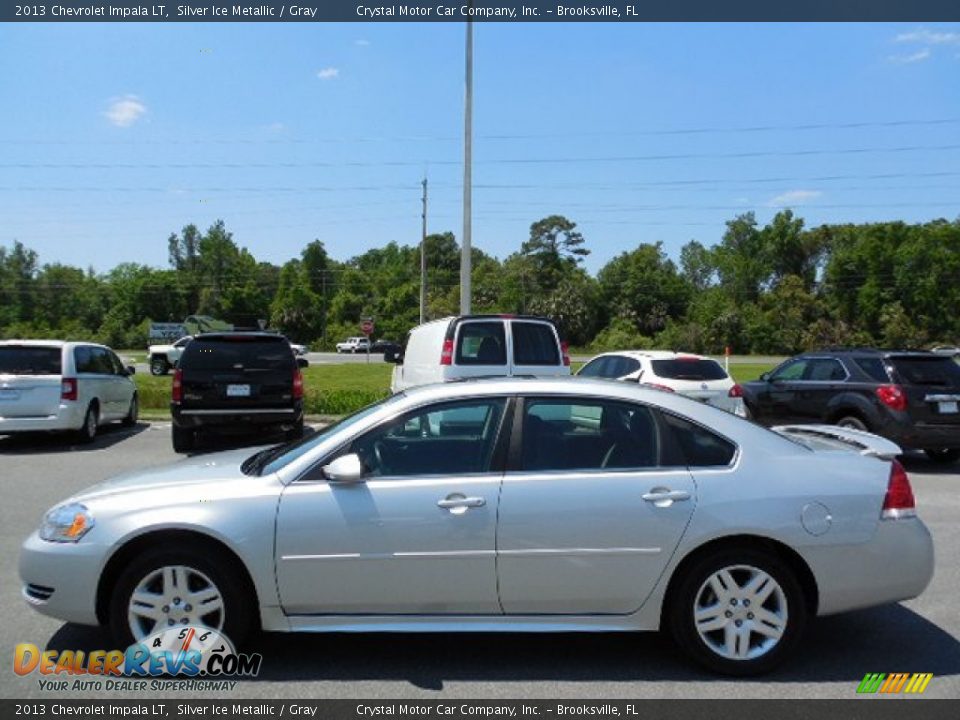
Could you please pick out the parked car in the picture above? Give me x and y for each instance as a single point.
(910, 397)
(694, 376)
(386, 348)
(479, 345)
(164, 357)
(236, 381)
(57, 385)
(298, 350)
(506, 504)
(353, 345)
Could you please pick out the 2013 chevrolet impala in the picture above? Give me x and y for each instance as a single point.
(508, 504)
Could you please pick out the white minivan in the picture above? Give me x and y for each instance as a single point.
(63, 386)
(479, 345)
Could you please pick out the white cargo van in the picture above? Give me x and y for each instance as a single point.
(477, 346)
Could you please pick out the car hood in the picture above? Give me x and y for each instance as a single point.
(216, 468)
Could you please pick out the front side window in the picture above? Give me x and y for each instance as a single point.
(791, 371)
(534, 344)
(481, 343)
(588, 435)
(452, 438)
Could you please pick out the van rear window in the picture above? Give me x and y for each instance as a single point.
(481, 343)
(693, 369)
(534, 344)
(29, 360)
(940, 371)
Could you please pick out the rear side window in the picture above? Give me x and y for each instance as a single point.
(237, 353)
(481, 343)
(939, 371)
(83, 359)
(534, 344)
(874, 368)
(699, 447)
(611, 366)
(826, 370)
(27, 360)
(692, 369)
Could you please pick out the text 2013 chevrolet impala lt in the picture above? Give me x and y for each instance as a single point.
(501, 504)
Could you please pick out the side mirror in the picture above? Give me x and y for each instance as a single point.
(131, 370)
(344, 470)
(765, 377)
(391, 355)
(302, 362)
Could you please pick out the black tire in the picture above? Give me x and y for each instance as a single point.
(852, 421)
(133, 412)
(943, 455)
(184, 439)
(294, 433)
(91, 423)
(786, 597)
(159, 365)
(221, 570)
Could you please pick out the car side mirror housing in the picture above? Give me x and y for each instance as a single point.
(393, 356)
(302, 362)
(765, 377)
(131, 370)
(344, 470)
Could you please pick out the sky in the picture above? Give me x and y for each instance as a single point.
(115, 135)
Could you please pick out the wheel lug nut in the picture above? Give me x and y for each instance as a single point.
(176, 601)
(738, 623)
(188, 608)
(746, 603)
(728, 614)
(749, 616)
(166, 608)
(185, 621)
(733, 601)
(170, 621)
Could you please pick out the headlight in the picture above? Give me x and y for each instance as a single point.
(66, 523)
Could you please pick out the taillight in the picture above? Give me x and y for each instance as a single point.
(446, 355)
(565, 352)
(177, 387)
(657, 386)
(735, 392)
(898, 502)
(892, 396)
(68, 389)
(297, 383)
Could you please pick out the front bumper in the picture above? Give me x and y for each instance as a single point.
(69, 416)
(60, 579)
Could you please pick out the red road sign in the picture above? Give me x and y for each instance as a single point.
(366, 327)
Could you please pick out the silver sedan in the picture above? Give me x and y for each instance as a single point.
(501, 505)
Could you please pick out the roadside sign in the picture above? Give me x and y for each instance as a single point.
(366, 327)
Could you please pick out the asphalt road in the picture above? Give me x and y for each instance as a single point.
(916, 636)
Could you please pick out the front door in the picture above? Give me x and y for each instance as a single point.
(416, 536)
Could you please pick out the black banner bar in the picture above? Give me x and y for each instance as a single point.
(482, 11)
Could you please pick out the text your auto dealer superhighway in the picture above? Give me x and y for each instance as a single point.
(438, 11)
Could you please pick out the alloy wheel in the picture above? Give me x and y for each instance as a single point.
(174, 595)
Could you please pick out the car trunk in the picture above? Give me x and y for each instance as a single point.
(932, 387)
(237, 373)
(695, 378)
(30, 380)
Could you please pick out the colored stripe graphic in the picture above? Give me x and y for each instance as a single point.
(871, 682)
(914, 683)
(918, 683)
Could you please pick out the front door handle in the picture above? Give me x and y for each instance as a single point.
(458, 503)
(664, 497)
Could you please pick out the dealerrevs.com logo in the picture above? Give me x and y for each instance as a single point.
(198, 658)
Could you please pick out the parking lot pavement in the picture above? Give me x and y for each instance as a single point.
(916, 636)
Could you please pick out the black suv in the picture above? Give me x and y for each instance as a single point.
(234, 381)
(910, 397)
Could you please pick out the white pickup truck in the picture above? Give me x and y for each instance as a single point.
(164, 357)
(354, 345)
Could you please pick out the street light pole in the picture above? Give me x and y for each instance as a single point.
(423, 257)
(465, 251)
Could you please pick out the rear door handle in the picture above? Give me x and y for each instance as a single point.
(455, 502)
(664, 497)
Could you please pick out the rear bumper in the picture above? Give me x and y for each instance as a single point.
(67, 417)
(225, 418)
(919, 436)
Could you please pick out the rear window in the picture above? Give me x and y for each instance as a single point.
(481, 343)
(27, 360)
(693, 369)
(236, 353)
(927, 370)
(873, 367)
(534, 344)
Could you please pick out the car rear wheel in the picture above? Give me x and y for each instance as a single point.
(738, 612)
(167, 587)
(853, 422)
(184, 439)
(133, 412)
(943, 455)
(159, 366)
(294, 433)
(91, 422)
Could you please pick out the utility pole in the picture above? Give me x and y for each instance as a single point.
(423, 257)
(465, 251)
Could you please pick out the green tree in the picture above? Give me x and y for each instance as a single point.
(554, 249)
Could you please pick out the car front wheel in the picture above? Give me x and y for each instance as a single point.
(179, 585)
(738, 612)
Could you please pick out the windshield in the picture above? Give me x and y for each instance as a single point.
(278, 457)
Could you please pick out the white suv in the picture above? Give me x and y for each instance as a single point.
(477, 346)
(164, 357)
(56, 385)
(354, 345)
(694, 376)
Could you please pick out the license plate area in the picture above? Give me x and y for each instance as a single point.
(238, 391)
(947, 407)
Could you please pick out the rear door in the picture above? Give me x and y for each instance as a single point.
(238, 372)
(932, 385)
(535, 349)
(30, 379)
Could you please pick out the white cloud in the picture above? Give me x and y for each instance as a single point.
(361, 43)
(125, 111)
(926, 36)
(276, 127)
(918, 56)
(328, 73)
(794, 197)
